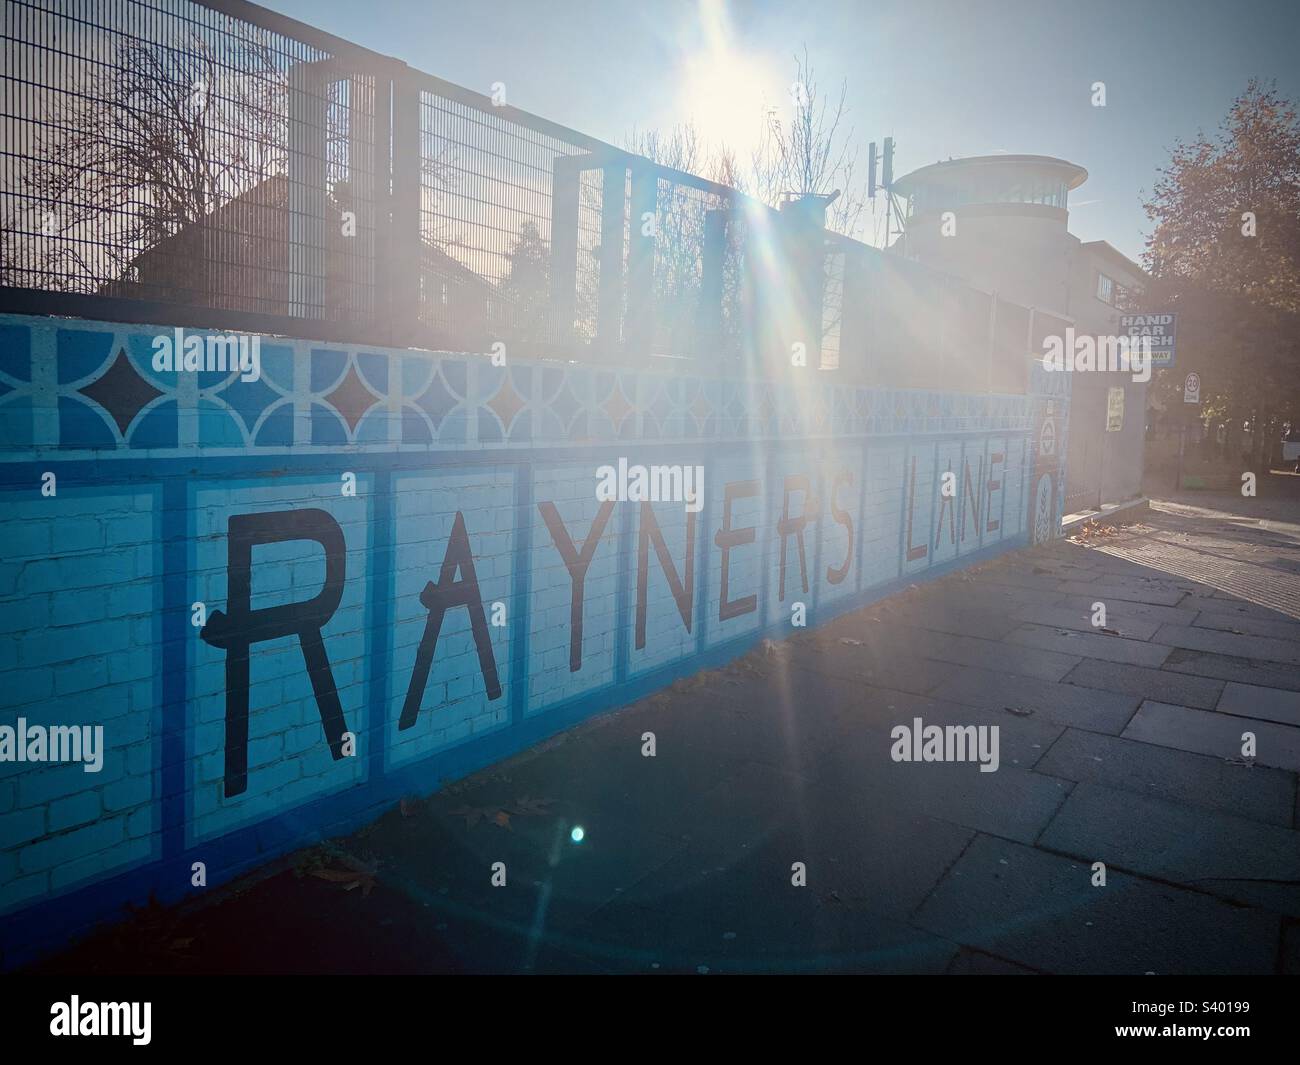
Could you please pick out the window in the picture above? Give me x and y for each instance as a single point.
(1105, 289)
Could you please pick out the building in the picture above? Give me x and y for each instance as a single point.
(1000, 223)
(255, 253)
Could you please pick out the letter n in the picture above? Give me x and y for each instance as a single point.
(684, 594)
(451, 591)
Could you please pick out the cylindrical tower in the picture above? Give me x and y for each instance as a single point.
(996, 221)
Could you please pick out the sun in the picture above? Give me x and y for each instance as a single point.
(727, 94)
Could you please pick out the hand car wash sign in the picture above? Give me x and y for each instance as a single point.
(1161, 328)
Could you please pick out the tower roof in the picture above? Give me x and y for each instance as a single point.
(958, 171)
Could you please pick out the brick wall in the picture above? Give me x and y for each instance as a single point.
(172, 490)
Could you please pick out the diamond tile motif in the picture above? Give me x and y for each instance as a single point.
(121, 391)
(701, 408)
(617, 406)
(565, 405)
(506, 404)
(437, 401)
(351, 399)
(662, 406)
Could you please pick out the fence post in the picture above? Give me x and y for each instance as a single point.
(306, 191)
(609, 311)
(713, 259)
(378, 203)
(993, 343)
(404, 265)
(566, 191)
(641, 261)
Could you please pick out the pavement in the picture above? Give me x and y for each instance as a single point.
(772, 831)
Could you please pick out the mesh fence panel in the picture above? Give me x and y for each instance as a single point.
(161, 150)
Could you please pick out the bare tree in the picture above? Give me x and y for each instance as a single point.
(812, 153)
(151, 141)
(681, 226)
(202, 165)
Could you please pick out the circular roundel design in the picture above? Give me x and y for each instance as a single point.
(1047, 437)
(1043, 510)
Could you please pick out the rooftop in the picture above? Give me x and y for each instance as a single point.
(958, 170)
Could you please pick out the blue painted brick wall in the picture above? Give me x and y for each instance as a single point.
(98, 582)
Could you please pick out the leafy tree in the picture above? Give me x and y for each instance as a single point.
(1224, 253)
(526, 286)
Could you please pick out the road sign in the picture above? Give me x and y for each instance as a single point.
(1192, 388)
(1114, 410)
(1161, 328)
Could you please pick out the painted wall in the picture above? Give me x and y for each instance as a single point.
(348, 654)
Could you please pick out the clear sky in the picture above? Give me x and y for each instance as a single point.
(943, 77)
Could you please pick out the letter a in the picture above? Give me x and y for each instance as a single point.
(451, 592)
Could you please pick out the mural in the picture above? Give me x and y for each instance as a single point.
(291, 601)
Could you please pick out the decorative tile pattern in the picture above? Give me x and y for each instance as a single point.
(121, 391)
(106, 397)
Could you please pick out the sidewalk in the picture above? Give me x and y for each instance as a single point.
(1122, 747)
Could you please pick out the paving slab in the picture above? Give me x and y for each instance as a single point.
(976, 963)
(1218, 735)
(862, 855)
(1091, 645)
(858, 658)
(447, 852)
(990, 624)
(1146, 683)
(987, 594)
(1018, 575)
(1080, 620)
(1228, 668)
(1267, 704)
(1223, 605)
(1120, 612)
(1062, 704)
(991, 654)
(1040, 910)
(1136, 591)
(1243, 625)
(1215, 641)
(1013, 803)
(1253, 792)
(701, 915)
(1249, 862)
(1113, 565)
(864, 728)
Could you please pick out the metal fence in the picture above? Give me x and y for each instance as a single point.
(170, 153)
(217, 164)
